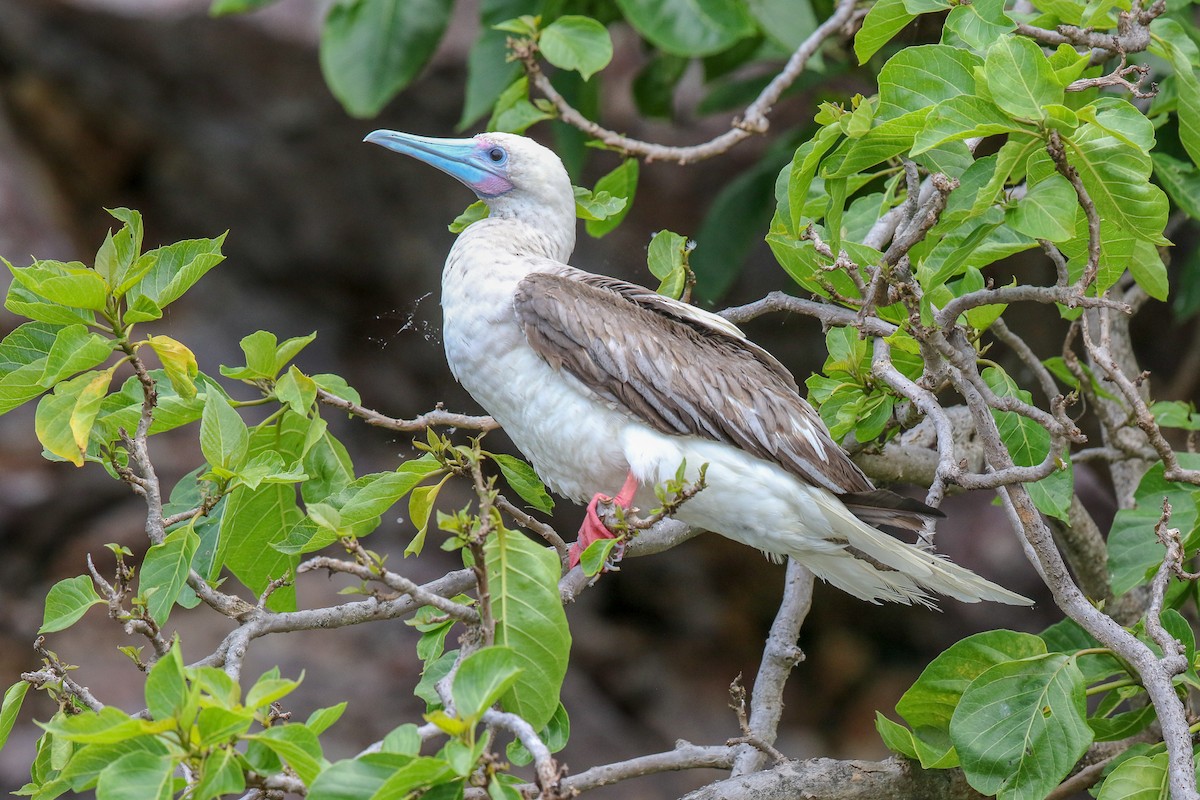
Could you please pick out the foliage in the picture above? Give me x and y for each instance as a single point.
(1015, 131)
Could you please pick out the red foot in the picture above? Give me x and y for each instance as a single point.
(593, 529)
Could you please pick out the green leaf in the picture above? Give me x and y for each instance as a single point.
(919, 77)
(1133, 549)
(74, 350)
(1181, 180)
(1047, 211)
(514, 113)
(667, 260)
(1029, 443)
(85, 766)
(488, 72)
(1170, 40)
(524, 481)
(178, 362)
(297, 391)
(689, 28)
(1116, 176)
(268, 688)
(371, 49)
(595, 556)
(224, 438)
(577, 43)
(72, 285)
(217, 725)
(598, 205)
(523, 577)
(322, 719)
(895, 736)
(621, 184)
(175, 269)
(221, 772)
(1020, 79)
(928, 706)
(366, 776)
(166, 688)
(14, 696)
(64, 419)
(884, 20)
(220, 8)
(106, 726)
(1137, 778)
(1147, 268)
(138, 776)
(979, 23)
(472, 214)
(962, 117)
(165, 571)
(1021, 726)
(482, 678)
(297, 746)
(67, 601)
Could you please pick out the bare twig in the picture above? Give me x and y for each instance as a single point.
(437, 417)
(753, 120)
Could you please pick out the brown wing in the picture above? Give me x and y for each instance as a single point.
(680, 370)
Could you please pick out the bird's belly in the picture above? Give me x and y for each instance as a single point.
(570, 437)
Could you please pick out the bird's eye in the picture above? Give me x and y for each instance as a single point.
(497, 155)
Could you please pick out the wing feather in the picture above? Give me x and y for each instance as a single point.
(680, 370)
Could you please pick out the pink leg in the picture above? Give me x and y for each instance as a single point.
(593, 528)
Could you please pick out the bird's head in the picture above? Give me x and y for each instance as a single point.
(514, 175)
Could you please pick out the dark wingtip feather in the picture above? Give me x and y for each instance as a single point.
(881, 507)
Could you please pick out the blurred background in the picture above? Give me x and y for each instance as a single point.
(207, 125)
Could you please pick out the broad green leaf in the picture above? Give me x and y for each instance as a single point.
(667, 260)
(1047, 211)
(1133, 549)
(523, 577)
(929, 704)
(220, 8)
(336, 384)
(72, 285)
(482, 678)
(922, 76)
(620, 183)
(127, 246)
(85, 766)
(224, 438)
(886, 140)
(371, 49)
(979, 23)
(64, 419)
(66, 602)
(297, 746)
(404, 739)
(1021, 726)
(488, 72)
(142, 309)
(1137, 778)
(883, 21)
(289, 349)
(689, 28)
(472, 214)
(895, 736)
(1020, 79)
(786, 22)
(296, 390)
(166, 688)
(268, 688)
(14, 696)
(217, 725)
(595, 556)
(577, 43)
(513, 112)
(253, 521)
(1181, 180)
(524, 481)
(178, 362)
(176, 268)
(1148, 269)
(962, 117)
(1170, 40)
(106, 726)
(1029, 443)
(1116, 176)
(24, 302)
(366, 776)
(165, 571)
(74, 350)
(138, 776)
(259, 348)
(322, 719)
(221, 773)
(122, 409)
(598, 205)
(801, 173)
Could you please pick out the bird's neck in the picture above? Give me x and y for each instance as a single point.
(550, 237)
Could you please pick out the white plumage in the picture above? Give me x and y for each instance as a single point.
(595, 379)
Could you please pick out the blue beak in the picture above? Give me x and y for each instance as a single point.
(465, 159)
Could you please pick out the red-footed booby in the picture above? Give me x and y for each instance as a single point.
(602, 383)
